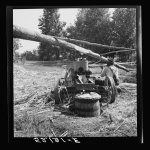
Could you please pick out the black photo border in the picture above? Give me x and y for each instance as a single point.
(86, 140)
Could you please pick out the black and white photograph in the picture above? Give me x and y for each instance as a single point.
(75, 72)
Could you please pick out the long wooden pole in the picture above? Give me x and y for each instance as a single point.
(19, 32)
(96, 44)
(119, 51)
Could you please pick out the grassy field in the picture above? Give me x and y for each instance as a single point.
(36, 115)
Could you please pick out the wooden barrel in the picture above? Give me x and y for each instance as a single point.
(87, 105)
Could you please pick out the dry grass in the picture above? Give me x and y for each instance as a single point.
(36, 115)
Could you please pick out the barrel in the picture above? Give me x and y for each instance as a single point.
(87, 104)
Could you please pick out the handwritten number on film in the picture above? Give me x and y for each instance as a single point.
(56, 140)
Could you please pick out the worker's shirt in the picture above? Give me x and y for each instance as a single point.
(109, 71)
(83, 79)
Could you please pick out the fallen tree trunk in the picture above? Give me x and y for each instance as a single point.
(26, 34)
(115, 49)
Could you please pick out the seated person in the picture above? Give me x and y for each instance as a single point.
(111, 71)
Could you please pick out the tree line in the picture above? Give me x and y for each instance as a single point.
(95, 25)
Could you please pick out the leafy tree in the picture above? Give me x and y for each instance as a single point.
(16, 45)
(50, 25)
(32, 55)
(124, 30)
(93, 25)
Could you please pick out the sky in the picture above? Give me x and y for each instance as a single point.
(28, 18)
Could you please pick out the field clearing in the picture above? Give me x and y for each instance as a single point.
(36, 115)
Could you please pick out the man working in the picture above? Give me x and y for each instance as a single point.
(111, 71)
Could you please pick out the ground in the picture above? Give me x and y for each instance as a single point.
(36, 115)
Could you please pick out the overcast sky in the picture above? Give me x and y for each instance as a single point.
(28, 18)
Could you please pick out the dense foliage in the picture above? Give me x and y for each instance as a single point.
(50, 25)
(95, 25)
(124, 30)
